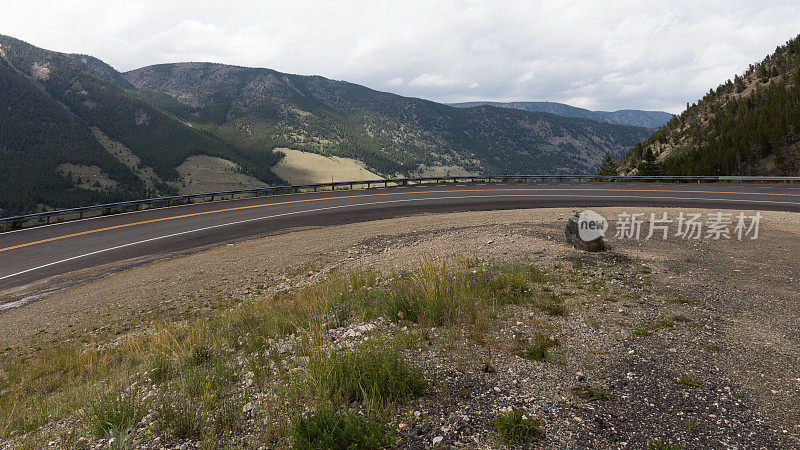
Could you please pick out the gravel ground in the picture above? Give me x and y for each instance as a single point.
(717, 369)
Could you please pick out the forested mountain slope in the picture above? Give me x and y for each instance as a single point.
(259, 108)
(74, 131)
(58, 108)
(746, 126)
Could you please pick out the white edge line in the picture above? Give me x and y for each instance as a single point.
(383, 203)
(38, 227)
(198, 203)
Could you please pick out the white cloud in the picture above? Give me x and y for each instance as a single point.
(604, 55)
(427, 80)
(395, 82)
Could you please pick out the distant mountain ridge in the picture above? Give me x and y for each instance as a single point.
(75, 131)
(631, 117)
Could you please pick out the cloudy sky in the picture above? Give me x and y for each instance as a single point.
(590, 53)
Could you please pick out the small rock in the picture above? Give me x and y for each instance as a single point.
(437, 440)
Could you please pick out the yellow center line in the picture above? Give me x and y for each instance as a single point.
(260, 205)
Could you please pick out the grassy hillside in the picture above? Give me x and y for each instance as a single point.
(746, 126)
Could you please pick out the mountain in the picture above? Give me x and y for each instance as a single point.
(74, 131)
(262, 108)
(632, 117)
(746, 126)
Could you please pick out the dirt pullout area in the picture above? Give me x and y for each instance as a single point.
(298, 167)
(698, 345)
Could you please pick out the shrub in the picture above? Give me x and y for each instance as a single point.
(517, 427)
(329, 429)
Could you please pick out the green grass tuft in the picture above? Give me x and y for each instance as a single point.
(711, 347)
(539, 349)
(688, 380)
(330, 429)
(658, 444)
(115, 411)
(691, 425)
(518, 427)
(591, 393)
(375, 374)
(681, 300)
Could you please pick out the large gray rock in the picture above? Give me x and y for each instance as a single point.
(574, 237)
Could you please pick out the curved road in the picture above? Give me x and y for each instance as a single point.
(36, 253)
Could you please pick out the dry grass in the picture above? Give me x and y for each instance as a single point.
(298, 167)
(192, 368)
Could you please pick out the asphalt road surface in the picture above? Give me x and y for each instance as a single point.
(37, 253)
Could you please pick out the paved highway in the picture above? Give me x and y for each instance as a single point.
(36, 253)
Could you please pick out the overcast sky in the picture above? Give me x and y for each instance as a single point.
(594, 54)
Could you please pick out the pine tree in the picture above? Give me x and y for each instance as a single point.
(608, 167)
(649, 167)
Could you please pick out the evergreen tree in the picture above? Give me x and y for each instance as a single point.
(649, 167)
(608, 167)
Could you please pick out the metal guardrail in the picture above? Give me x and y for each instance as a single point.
(118, 207)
